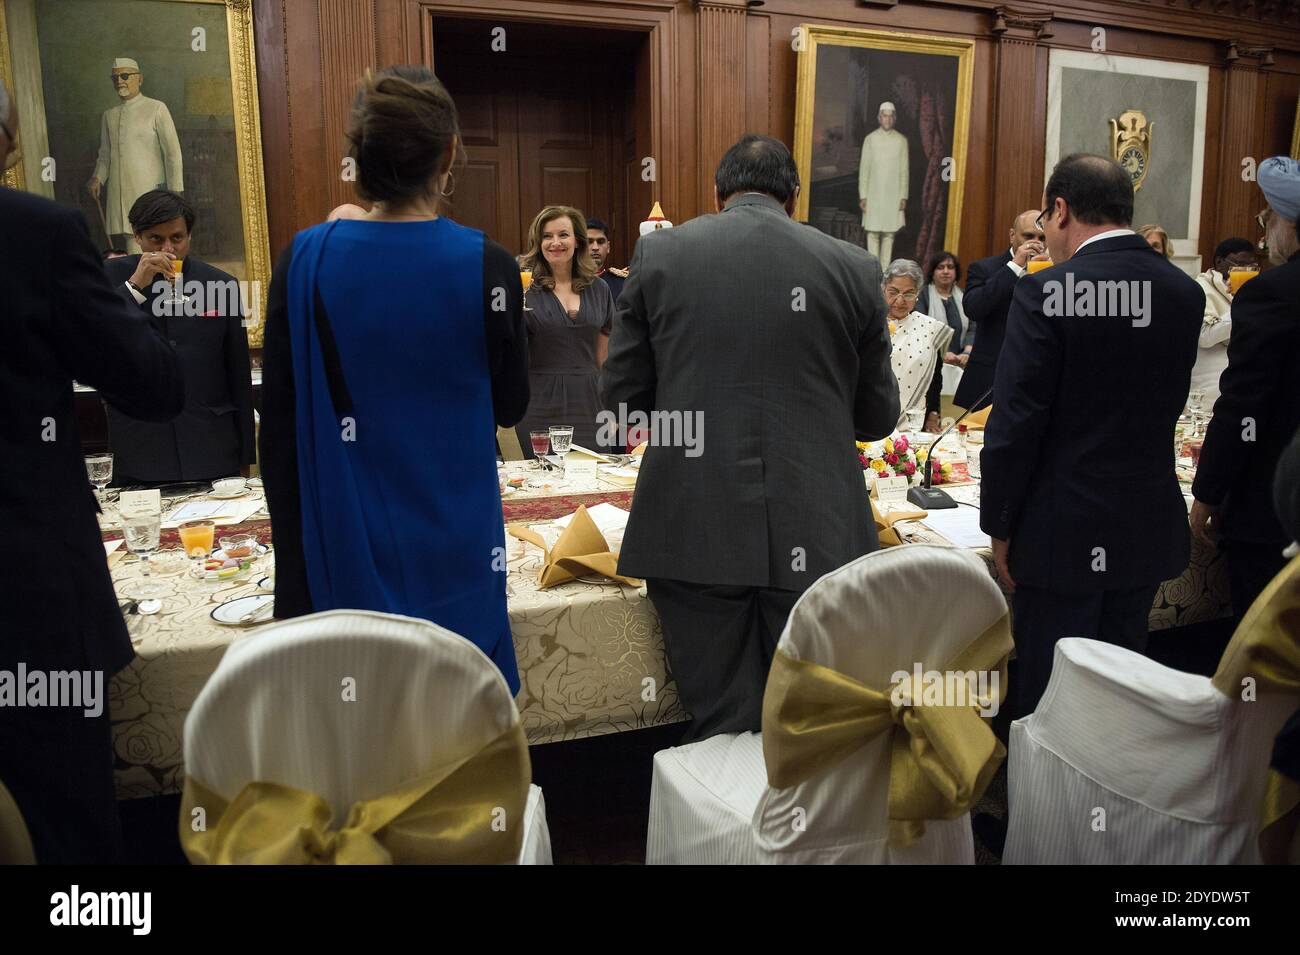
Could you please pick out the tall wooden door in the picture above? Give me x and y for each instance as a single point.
(529, 148)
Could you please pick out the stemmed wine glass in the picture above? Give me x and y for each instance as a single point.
(541, 441)
(99, 468)
(561, 438)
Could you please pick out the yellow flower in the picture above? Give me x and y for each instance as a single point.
(862, 445)
(877, 465)
(889, 445)
(921, 455)
(946, 468)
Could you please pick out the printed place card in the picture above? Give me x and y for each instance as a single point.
(890, 490)
(140, 502)
(580, 468)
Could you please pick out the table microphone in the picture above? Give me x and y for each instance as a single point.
(929, 498)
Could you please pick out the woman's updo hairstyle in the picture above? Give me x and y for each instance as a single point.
(401, 124)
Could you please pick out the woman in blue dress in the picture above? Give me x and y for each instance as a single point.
(394, 343)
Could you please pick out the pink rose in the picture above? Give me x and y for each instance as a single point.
(862, 459)
(900, 444)
(891, 458)
(886, 473)
(909, 468)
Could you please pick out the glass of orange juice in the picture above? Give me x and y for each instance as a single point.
(526, 277)
(177, 296)
(1239, 275)
(196, 538)
(1037, 265)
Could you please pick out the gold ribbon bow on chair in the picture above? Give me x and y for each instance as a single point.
(1266, 649)
(885, 530)
(468, 812)
(943, 756)
(581, 549)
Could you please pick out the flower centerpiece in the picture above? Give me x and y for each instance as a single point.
(895, 457)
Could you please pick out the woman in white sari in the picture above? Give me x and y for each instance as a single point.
(919, 343)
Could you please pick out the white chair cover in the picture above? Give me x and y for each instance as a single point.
(274, 711)
(885, 612)
(1173, 768)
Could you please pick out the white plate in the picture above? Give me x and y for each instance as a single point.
(230, 612)
(267, 584)
(227, 497)
(598, 579)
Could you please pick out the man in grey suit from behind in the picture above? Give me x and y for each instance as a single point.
(758, 349)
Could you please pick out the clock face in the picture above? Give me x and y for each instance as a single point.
(1135, 161)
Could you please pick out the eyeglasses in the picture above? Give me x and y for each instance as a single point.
(892, 294)
(1038, 223)
(1262, 218)
(121, 76)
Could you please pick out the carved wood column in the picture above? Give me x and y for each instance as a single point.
(1237, 200)
(1017, 181)
(347, 38)
(719, 86)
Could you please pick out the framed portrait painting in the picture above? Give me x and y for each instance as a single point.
(135, 95)
(881, 127)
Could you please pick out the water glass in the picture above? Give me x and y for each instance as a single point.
(99, 468)
(141, 532)
(561, 438)
(914, 420)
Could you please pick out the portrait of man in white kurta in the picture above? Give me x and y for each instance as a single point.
(138, 151)
(882, 183)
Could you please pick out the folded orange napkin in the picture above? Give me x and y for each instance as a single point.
(979, 419)
(885, 524)
(581, 550)
(639, 450)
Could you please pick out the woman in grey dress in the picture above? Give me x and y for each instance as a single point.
(569, 313)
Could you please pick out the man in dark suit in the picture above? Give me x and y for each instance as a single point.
(62, 322)
(1259, 403)
(602, 248)
(767, 340)
(1078, 489)
(213, 437)
(987, 298)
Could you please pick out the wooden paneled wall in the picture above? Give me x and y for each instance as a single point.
(718, 68)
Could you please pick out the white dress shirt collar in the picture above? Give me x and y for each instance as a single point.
(1102, 235)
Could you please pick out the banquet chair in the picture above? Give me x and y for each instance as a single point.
(508, 442)
(1126, 761)
(15, 843)
(715, 801)
(314, 737)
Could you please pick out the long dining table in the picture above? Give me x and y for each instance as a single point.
(591, 653)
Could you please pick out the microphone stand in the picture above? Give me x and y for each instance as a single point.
(926, 497)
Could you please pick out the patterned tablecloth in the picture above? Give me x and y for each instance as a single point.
(591, 656)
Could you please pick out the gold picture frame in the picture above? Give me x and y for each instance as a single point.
(247, 125)
(813, 38)
(1295, 131)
